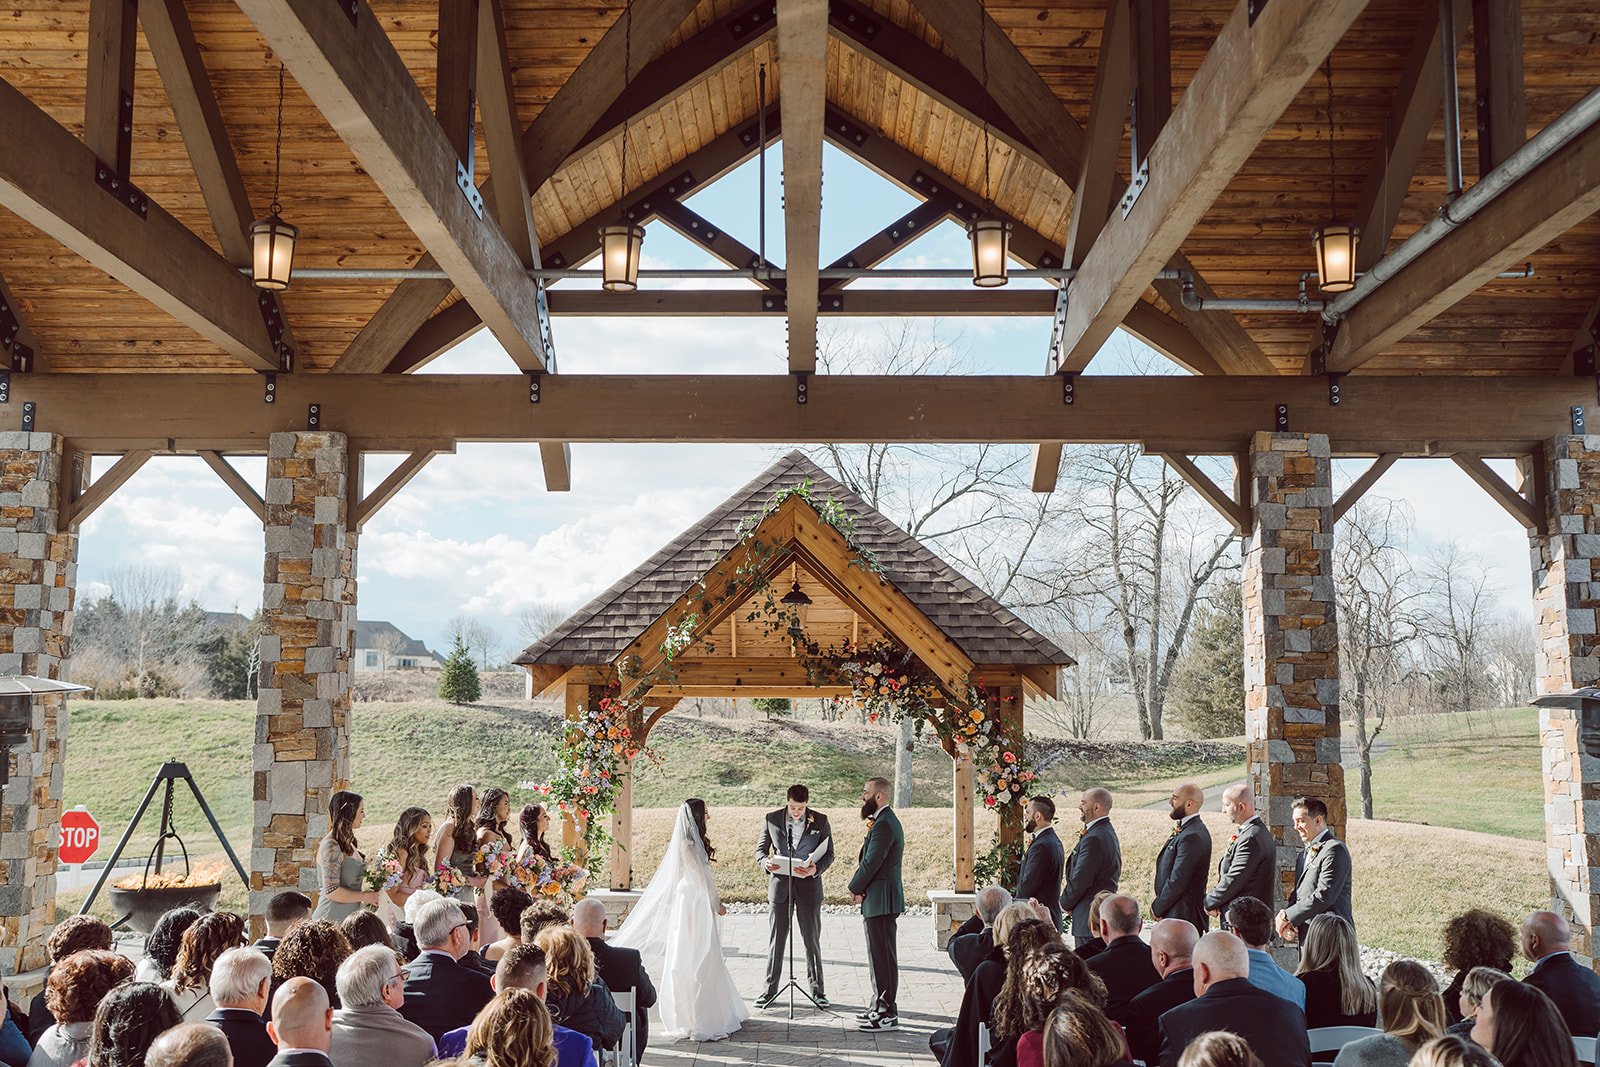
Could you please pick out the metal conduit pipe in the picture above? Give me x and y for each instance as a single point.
(1304, 305)
(1577, 119)
(552, 274)
(1452, 100)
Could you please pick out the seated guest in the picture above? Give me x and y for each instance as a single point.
(283, 911)
(1219, 1049)
(1225, 1000)
(973, 940)
(74, 934)
(578, 999)
(1574, 988)
(1477, 983)
(507, 906)
(313, 949)
(472, 959)
(1125, 965)
(302, 1022)
(1252, 921)
(1025, 947)
(1172, 943)
(958, 1045)
(1078, 1034)
(1453, 1050)
(190, 1045)
(74, 990)
(440, 993)
(132, 1015)
(241, 983)
(1337, 992)
(203, 943)
(621, 969)
(1523, 1027)
(368, 1027)
(14, 1047)
(523, 968)
(1412, 1012)
(513, 1030)
(540, 914)
(1020, 1012)
(363, 928)
(161, 947)
(1097, 940)
(1475, 938)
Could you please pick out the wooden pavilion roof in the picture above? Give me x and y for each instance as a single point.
(912, 106)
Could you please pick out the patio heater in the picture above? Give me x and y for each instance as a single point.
(1586, 702)
(17, 695)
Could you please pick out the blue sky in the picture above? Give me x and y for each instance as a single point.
(475, 533)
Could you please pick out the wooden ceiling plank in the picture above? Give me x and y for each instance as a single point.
(108, 99)
(234, 480)
(361, 85)
(100, 490)
(1549, 200)
(51, 186)
(1094, 193)
(803, 54)
(1358, 488)
(386, 490)
(1244, 84)
(1497, 52)
(1517, 506)
(1212, 493)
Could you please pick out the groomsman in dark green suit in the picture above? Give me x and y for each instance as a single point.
(876, 886)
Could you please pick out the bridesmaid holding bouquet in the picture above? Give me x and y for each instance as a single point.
(409, 847)
(341, 868)
(457, 840)
(494, 852)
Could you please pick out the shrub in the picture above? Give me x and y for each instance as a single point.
(458, 683)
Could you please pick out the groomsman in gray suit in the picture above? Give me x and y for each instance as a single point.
(1322, 872)
(795, 832)
(1095, 864)
(1249, 860)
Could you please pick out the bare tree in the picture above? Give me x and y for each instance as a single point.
(1509, 651)
(389, 644)
(538, 620)
(484, 640)
(156, 626)
(1460, 609)
(1085, 688)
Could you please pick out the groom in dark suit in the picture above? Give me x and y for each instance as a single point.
(877, 888)
(794, 831)
(1040, 877)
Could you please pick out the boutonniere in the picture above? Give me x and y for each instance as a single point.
(1177, 829)
(1233, 836)
(1314, 849)
(870, 822)
(1082, 831)
(811, 820)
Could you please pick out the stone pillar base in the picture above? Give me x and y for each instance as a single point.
(950, 910)
(619, 903)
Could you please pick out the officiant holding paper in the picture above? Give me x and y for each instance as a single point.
(795, 839)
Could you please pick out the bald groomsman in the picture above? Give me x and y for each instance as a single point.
(1184, 862)
(1095, 864)
(1250, 858)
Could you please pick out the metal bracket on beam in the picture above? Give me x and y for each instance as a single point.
(1280, 418)
(780, 302)
(5, 387)
(843, 128)
(753, 21)
(1057, 326)
(30, 412)
(270, 396)
(469, 189)
(272, 315)
(1583, 361)
(1141, 178)
(125, 192)
(351, 8)
(1253, 9)
(1335, 390)
(858, 22)
(1577, 421)
(535, 384)
(541, 300)
(802, 388)
(22, 358)
(831, 303)
(1069, 389)
(313, 416)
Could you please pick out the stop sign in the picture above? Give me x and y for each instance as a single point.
(80, 835)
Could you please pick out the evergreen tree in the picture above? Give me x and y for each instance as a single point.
(772, 707)
(1208, 684)
(459, 681)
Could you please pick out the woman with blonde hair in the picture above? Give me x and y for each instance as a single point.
(1097, 939)
(1219, 1049)
(576, 997)
(512, 1030)
(1337, 992)
(1454, 1050)
(190, 985)
(1079, 1034)
(1412, 1012)
(1474, 986)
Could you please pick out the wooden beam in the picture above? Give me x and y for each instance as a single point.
(1416, 415)
(1497, 54)
(509, 195)
(354, 76)
(1585, 339)
(101, 488)
(234, 480)
(108, 100)
(1152, 63)
(1358, 488)
(456, 75)
(1412, 114)
(1548, 201)
(889, 240)
(52, 187)
(803, 54)
(1235, 513)
(963, 848)
(397, 480)
(1247, 79)
(1517, 506)
(17, 339)
(1046, 466)
(1094, 191)
(713, 238)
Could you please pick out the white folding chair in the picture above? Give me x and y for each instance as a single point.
(1584, 1046)
(1334, 1038)
(983, 1044)
(627, 1051)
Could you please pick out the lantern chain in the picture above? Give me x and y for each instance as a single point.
(277, 147)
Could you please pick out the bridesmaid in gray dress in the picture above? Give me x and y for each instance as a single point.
(340, 865)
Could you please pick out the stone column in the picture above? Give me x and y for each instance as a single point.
(308, 614)
(1291, 637)
(1566, 594)
(38, 576)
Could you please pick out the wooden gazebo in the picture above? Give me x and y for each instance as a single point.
(918, 602)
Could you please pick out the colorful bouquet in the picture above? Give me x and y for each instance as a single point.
(448, 880)
(491, 861)
(384, 871)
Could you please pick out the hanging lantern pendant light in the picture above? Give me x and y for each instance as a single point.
(272, 240)
(622, 242)
(990, 235)
(1334, 242)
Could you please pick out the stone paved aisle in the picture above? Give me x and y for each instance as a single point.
(930, 996)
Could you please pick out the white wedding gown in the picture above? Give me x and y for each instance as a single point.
(675, 928)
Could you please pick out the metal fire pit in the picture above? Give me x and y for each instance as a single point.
(143, 908)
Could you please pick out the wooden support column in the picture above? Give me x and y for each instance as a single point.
(1006, 704)
(1497, 50)
(962, 800)
(621, 865)
(579, 696)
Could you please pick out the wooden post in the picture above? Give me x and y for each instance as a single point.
(1006, 704)
(577, 694)
(622, 834)
(961, 762)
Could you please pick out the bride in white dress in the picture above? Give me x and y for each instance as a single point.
(676, 930)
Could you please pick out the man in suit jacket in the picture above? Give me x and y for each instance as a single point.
(367, 1025)
(1250, 860)
(1225, 1000)
(971, 944)
(283, 911)
(1172, 943)
(1095, 864)
(1042, 864)
(302, 1024)
(1575, 989)
(876, 886)
(794, 831)
(1125, 966)
(1322, 872)
(440, 993)
(621, 969)
(1184, 861)
(186, 1044)
(240, 980)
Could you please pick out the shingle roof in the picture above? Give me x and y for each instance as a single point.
(599, 631)
(368, 631)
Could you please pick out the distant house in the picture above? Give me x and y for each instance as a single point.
(382, 646)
